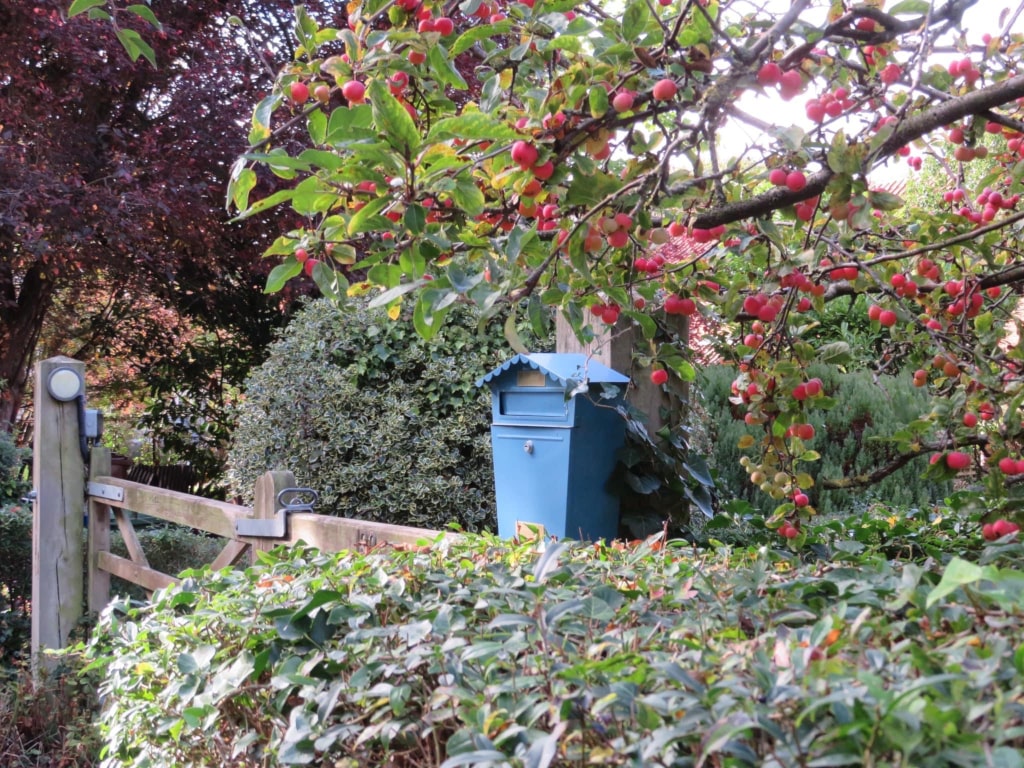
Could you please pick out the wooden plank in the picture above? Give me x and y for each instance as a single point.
(217, 517)
(264, 507)
(131, 539)
(58, 473)
(231, 554)
(336, 534)
(99, 534)
(134, 572)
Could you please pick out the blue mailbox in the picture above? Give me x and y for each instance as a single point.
(556, 431)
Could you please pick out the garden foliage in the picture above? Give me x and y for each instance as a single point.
(384, 424)
(478, 652)
(12, 458)
(15, 581)
(850, 438)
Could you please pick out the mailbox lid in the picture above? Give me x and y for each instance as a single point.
(540, 388)
(566, 369)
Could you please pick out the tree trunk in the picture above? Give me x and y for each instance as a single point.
(22, 311)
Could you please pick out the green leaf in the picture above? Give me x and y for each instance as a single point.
(698, 469)
(350, 123)
(835, 353)
(136, 46)
(427, 320)
(959, 573)
(320, 158)
(316, 124)
(512, 336)
(305, 30)
(415, 218)
(281, 274)
(549, 560)
(634, 20)
(443, 69)
(468, 197)
(471, 125)
(366, 218)
(884, 201)
(392, 121)
(843, 158)
(331, 283)
(474, 35)
(388, 296)
(908, 7)
(143, 12)
(598, 101)
(590, 190)
(81, 6)
(241, 184)
(267, 202)
(261, 116)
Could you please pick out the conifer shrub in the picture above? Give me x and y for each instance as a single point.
(383, 424)
(849, 438)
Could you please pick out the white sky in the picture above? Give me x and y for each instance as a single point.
(980, 19)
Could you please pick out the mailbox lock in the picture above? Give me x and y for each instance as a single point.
(528, 446)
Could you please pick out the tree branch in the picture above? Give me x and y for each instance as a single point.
(880, 473)
(912, 128)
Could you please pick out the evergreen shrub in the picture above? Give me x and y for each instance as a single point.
(383, 424)
(869, 406)
(15, 582)
(12, 458)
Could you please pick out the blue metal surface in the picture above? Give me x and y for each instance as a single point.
(564, 368)
(556, 443)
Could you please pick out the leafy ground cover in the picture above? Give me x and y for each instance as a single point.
(481, 652)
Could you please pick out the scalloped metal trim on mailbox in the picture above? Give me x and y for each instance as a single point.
(567, 368)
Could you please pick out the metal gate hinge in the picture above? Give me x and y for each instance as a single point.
(288, 500)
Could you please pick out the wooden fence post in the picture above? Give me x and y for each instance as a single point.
(264, 506)
(99, 534)
(58, 471)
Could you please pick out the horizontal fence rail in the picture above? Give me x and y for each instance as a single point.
(112, 499)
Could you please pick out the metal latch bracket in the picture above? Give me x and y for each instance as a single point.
(288, 500)
(104, 491)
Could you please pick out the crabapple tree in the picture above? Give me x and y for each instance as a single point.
(539, 153)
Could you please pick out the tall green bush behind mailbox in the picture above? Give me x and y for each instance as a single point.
(556, 431)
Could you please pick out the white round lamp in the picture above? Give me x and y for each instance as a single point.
(65, 384)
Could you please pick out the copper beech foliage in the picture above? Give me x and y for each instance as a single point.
(114, 241)
(540, 152)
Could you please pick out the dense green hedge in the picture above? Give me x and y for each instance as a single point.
(481, 653)
(12, 485)
(385, 425)
(869, 407)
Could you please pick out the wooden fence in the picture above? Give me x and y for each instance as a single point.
(63, 497)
